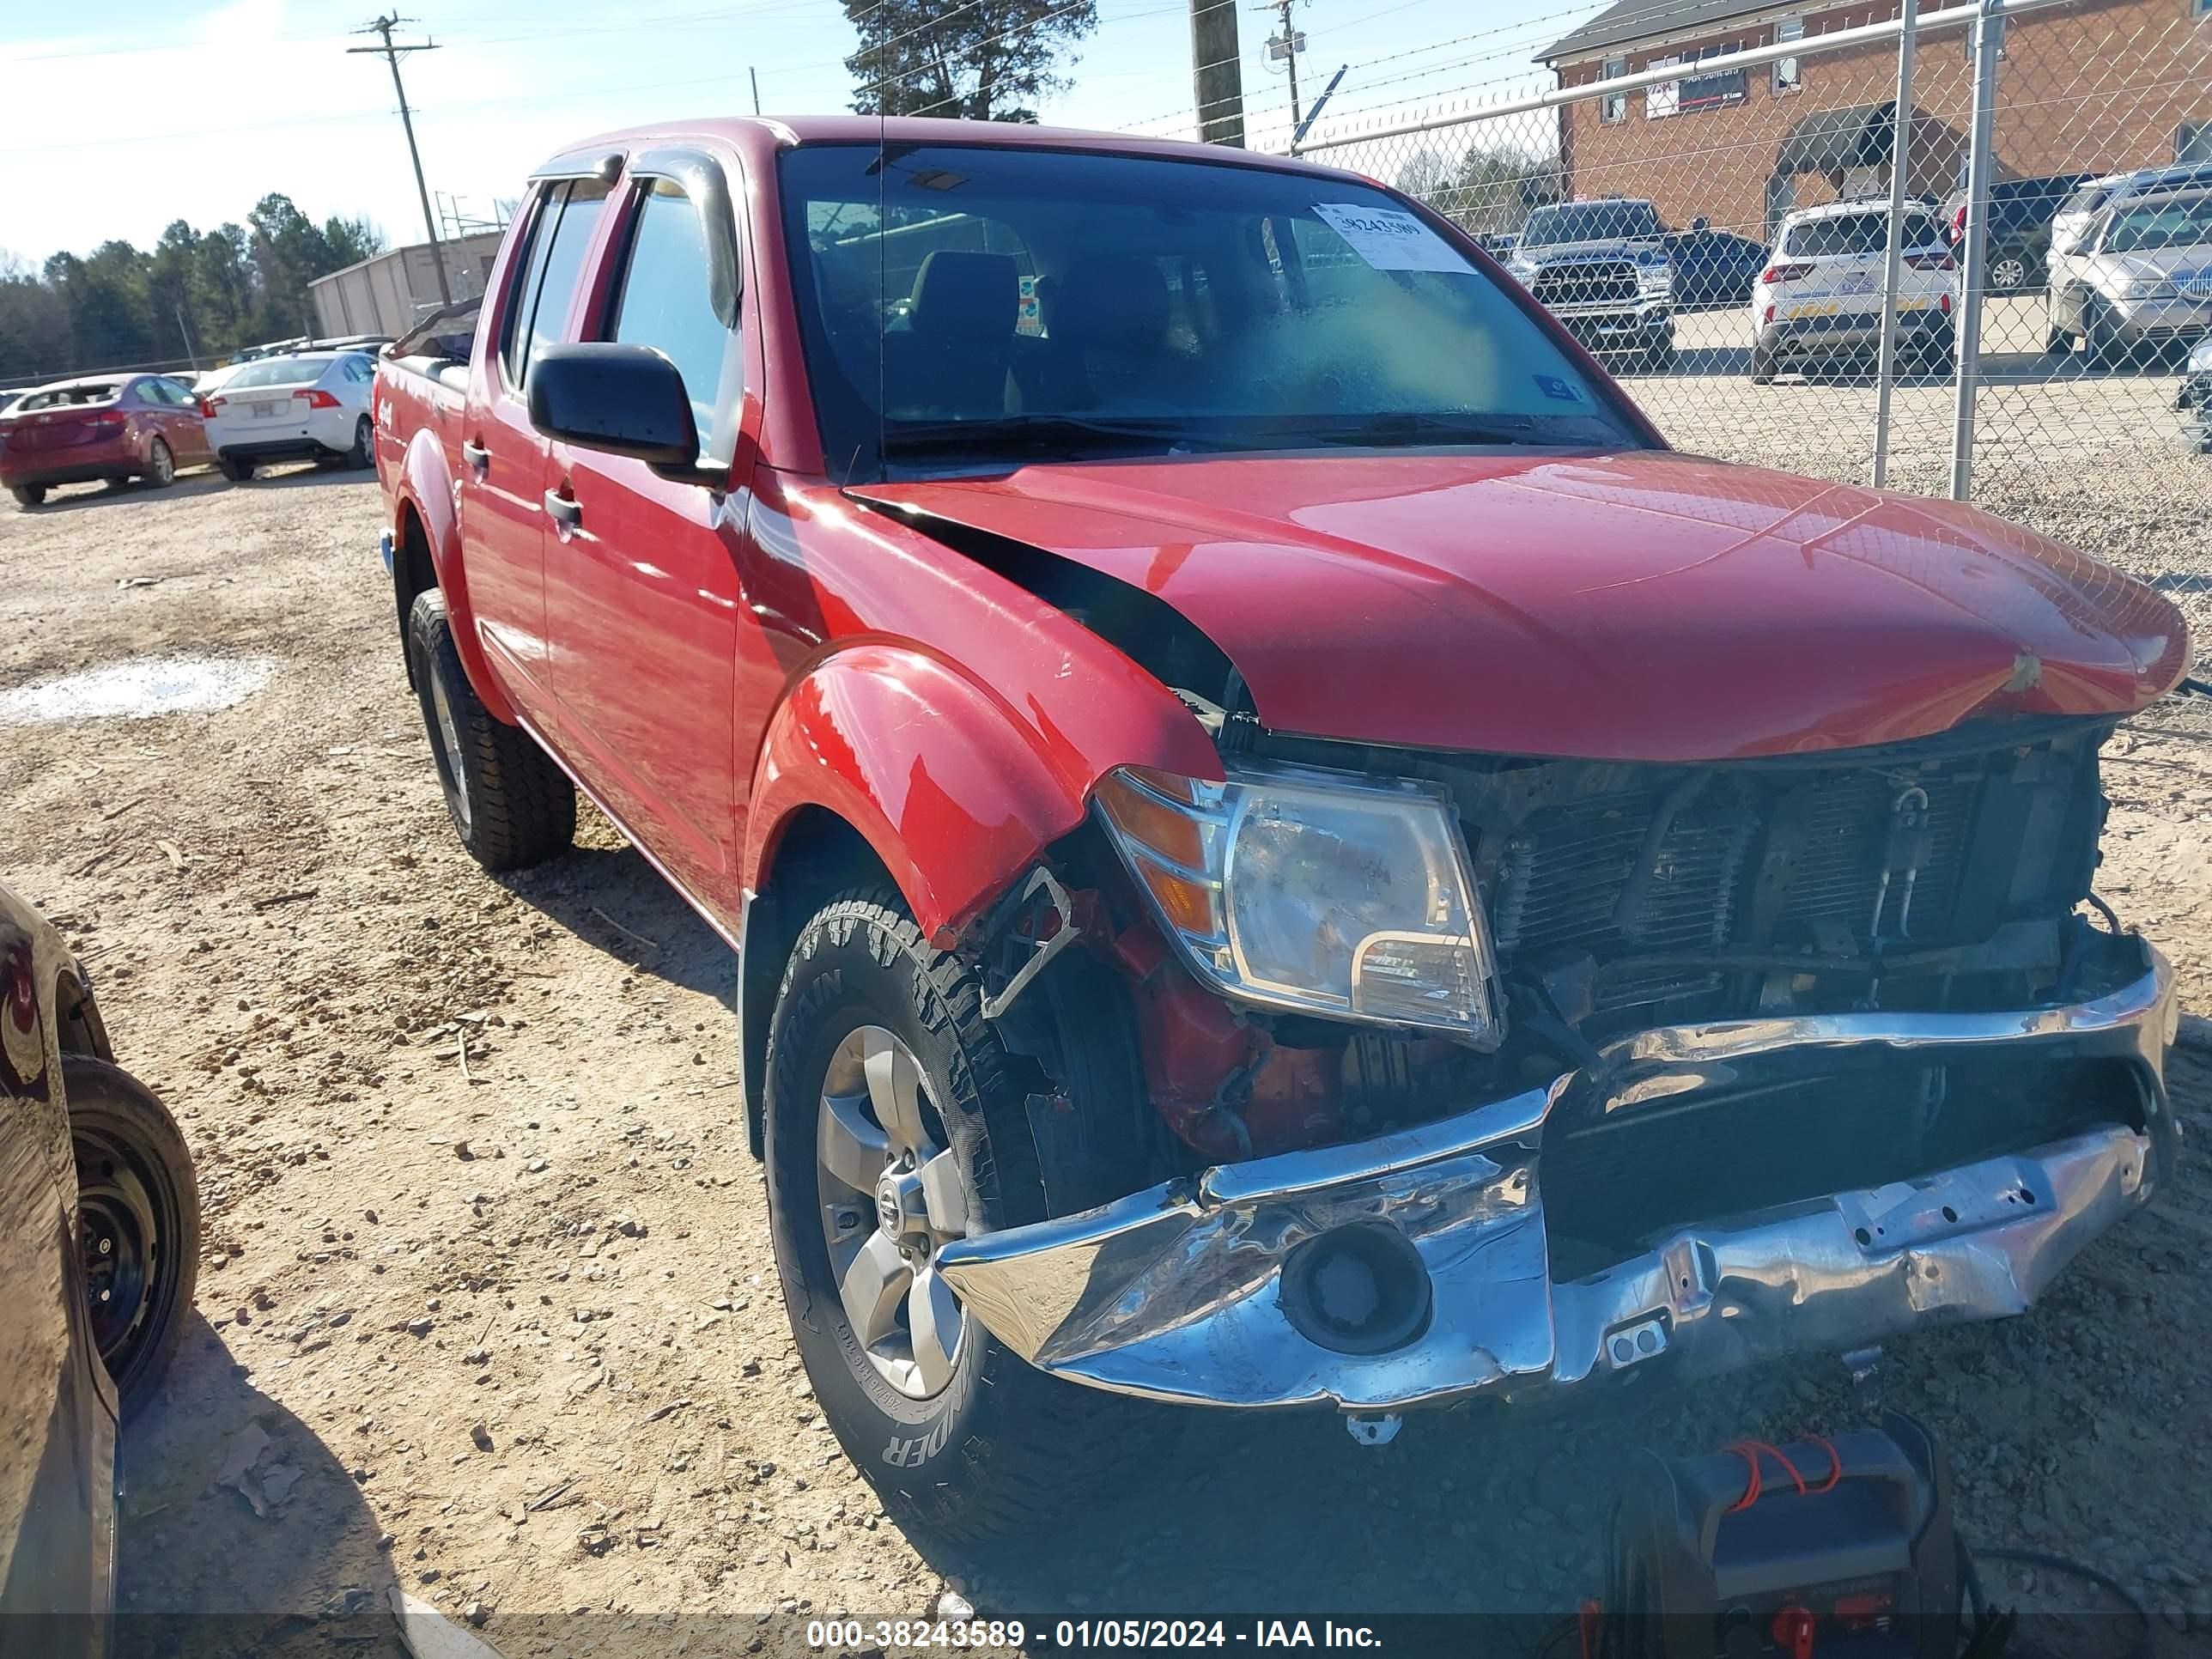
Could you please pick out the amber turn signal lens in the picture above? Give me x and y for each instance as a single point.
(1152, 823)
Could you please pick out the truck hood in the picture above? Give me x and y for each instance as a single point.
(1552, 253)
(1644, 605)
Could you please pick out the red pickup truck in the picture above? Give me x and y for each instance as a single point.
(1283, 848)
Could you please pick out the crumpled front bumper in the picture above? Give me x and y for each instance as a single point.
(1176, 1292)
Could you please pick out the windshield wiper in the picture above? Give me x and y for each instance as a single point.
(1033, 433)
(1411, 428)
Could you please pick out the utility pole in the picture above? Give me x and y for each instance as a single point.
(1284, 49)
(755, 73)
(391, 54)
(1216, 75)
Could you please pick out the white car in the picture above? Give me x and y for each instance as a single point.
(2092, 196)
(310, 406)
(2138, 280)
(1818, 304)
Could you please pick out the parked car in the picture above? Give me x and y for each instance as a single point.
(1712, 267)
(1269, 868)
(312, 405)
(112, 427)
(2017, 249)
(2197, 394)
(2138, 281)
(2095, 194)
(9, 396)
(1818, 308)
(1601, 268)
(98, 1259)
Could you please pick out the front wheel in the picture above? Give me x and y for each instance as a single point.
(138, 1221)
(2009, 273)
(897, 1123)
(510, 805)
(235, 468)
(28, 494)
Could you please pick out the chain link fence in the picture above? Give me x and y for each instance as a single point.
(1707, 204)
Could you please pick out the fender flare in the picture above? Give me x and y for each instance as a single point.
(941, 779)
(426, 486)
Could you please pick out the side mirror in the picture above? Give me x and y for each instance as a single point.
(622, 399)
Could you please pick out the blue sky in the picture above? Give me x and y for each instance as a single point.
(195, 108)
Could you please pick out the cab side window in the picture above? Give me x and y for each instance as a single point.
(559, 236)
(665, 299)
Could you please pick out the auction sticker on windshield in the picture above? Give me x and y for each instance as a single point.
(1390, 239)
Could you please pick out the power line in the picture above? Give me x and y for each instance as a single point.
(391, 54)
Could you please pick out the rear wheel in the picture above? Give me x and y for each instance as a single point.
(235, 468)
(160, 466)
(897, 1123)
(28, 494)
(2009, 273)
(139, 1214)
(2058, 342)
(1762, 365)
(362, 455)
(510, 805)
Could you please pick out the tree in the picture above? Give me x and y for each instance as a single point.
(984, 60)
(120, 306)
(1485, 191)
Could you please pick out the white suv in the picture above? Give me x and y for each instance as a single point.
(310, 406)
(1818, 304)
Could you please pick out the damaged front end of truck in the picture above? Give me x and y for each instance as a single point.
(1476, 1074)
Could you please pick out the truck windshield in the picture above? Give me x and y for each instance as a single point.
(1591, 222)
(999, 305)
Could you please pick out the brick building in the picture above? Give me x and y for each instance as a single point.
(2092, 85)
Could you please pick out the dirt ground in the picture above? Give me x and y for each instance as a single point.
(486, 1257)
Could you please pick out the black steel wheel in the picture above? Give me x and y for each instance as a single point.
(138, 1223)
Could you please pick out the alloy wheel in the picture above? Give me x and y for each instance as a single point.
(161, 466)
(448, 736)
(892, 1196)
(2009, 273)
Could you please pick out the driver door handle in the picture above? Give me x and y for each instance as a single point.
(563, 510)
(476, 455)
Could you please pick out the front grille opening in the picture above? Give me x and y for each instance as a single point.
(1613, 1185)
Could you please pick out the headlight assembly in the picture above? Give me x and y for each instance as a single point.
(1319, 891)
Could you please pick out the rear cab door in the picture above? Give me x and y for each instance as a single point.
(501, 458)
(643, 602)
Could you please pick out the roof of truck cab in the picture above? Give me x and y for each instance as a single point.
(787, 131)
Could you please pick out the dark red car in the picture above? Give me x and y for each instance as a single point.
(115, 427)
(1284, 849)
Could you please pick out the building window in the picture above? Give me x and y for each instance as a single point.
(1661, 98)
(2193, 141)
(1613, 108)
(1788, 72)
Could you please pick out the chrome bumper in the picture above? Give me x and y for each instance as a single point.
(1174, 1293)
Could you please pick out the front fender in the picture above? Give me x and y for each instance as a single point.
(950, 792)
(427, 486)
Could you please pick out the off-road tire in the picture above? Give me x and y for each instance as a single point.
(28, 494)
(362, 455)
(510, 805)
(236, 470)
(115, 1120)
(1002, 1447)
